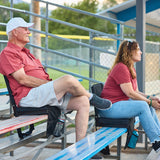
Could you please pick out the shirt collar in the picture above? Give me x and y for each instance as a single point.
(9, 44)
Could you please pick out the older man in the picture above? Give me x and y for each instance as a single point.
(31, 85)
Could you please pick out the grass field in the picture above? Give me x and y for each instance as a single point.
(2, 82)
(100, 74)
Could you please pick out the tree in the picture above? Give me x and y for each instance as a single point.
(22, 6)
(107, 26)
(108, 4)
(75, 18)
(129, 32)
(5, 14)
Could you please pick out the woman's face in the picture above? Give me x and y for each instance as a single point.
(136, 55)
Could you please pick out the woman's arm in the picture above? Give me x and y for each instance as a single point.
(148, 97)
(136, 95)
(129, 92)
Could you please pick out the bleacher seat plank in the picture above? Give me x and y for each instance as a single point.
(18, 122)
(12, 142)
(90, 145)
(3, 91)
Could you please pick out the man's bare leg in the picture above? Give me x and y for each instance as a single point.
(71, 85)
(81, 105)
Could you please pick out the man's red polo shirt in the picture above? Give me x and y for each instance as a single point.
(13, 58)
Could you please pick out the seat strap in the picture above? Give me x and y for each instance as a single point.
(23, 135)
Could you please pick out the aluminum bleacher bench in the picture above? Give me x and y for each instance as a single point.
(3, 91)
(10, 143)
(92, 144)
(19, 122)
(4, 109)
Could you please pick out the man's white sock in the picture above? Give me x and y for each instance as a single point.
(91, 95)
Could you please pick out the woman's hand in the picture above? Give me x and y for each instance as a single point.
(155, 98)
(155, 104)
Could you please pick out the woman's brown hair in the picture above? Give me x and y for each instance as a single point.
(124, 55)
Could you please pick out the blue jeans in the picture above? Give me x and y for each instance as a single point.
(133, 108)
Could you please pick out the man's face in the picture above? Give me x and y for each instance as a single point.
(22, 34)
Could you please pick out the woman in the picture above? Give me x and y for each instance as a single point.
(127, 101)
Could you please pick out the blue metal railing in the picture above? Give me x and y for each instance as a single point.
(93, 33)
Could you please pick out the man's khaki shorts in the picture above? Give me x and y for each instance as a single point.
(44, 95)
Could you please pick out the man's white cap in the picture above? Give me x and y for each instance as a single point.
(16, 22)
